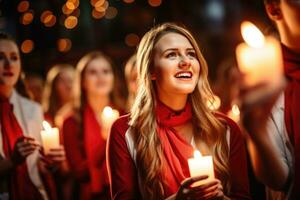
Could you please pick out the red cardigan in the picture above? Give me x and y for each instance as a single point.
(85, 151)
(123, 173)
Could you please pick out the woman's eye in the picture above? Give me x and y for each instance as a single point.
(92, 72)
(106, 71)
(14, 58)
(192, 54)
(171, 55)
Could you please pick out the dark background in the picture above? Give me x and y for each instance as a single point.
(215, 24)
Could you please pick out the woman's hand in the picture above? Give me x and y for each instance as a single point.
(210, 190)
(55, 158)
(24, 146)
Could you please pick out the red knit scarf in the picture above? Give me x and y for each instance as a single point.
(176, 150)
(20, 184)
(95, 147)
(292, 108)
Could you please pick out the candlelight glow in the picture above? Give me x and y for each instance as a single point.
(108, 111)
(252, 35)
(197, 154)
(46, 126)
(235, 109)
(213, 103)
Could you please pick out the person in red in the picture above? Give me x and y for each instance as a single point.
(85, 131)
(273, 125)
(20, 139)
(149, 148)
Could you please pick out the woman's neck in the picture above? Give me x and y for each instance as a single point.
(97, 103)
(5, 91)
(176, 103)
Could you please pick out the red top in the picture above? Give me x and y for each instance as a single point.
(123, 173)
(85, 151)
(292, 109)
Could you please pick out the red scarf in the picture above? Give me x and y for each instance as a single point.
(95, 148)
(292, 109)
(20, 184)
(176, 150)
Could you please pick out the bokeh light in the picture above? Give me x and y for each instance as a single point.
(97, 15)
(111, 12)
(23, 6)
(132, 39)
(64, 44)
(27, 46)
(27, 18)
(154, 3)
(128, 1)
(71, 22)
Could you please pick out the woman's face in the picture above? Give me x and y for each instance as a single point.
(10, 65)
(291, 15)
(63, 85)
(98, 77)
(176, 67)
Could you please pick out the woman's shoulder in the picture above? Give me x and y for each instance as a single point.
(121, 124)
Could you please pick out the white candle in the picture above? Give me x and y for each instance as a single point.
(260, 59)
(50, 137)
(201, 165)
(108, 116)
(213, 103)
(234, 113)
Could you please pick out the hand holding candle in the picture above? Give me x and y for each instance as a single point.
(50, 137)
(260, 59)
(201, 165)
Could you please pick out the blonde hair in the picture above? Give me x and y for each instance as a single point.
(50, 99)
(143, 121)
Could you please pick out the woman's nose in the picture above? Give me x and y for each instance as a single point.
(184, 62)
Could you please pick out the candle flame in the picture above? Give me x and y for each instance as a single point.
(46, 126)
(235, 109)
(252, 35)
(213, 103)
(197, 154)
(107, 111)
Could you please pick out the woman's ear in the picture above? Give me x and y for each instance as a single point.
(274, 11)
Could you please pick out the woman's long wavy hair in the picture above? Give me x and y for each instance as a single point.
(50, 101)
(149, 156)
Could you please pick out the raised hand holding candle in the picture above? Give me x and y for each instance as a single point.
(260, 59)
(201, 165)
(50, 137)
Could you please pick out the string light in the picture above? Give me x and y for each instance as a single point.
(71, 22)
(154, 3)
(27, 46)
(111, 12)
(132, 39)
(27, 18)
(23, 6)
(64, 44)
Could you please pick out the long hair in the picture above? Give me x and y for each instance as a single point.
(149, 155)
(50, 100)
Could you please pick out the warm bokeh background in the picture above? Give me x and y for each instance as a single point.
(51, 31)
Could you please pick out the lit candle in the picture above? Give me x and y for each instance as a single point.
(260, 59)
(234, 113)
(201, 165)
(213, 103)
(50, 137)
(108, 116)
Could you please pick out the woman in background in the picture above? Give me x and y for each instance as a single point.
(85, 131)
(58, 93)
(21, 123)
